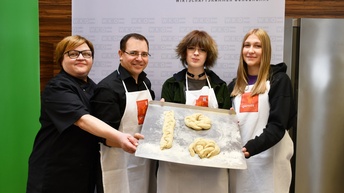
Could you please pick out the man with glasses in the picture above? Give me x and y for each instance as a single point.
(121, 100)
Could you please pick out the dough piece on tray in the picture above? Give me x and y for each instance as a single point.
(197, 121)
(167, 130)
(205, 148)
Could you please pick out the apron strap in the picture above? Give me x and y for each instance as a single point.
(126, 90)
(187, 84)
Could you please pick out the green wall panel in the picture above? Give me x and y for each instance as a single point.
(19, 96)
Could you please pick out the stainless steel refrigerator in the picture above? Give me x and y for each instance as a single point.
(317, 71)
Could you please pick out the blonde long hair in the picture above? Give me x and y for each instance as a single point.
(264, 69)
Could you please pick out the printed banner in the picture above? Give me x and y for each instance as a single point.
(166, 22)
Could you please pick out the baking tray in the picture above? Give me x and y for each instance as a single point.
(224, 131)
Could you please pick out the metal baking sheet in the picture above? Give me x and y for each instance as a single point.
(224, 131)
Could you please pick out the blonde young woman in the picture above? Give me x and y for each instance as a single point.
(263, 100)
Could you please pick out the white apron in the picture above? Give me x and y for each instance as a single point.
(268, 171)
(182, 178)
(123, 172)
(204, 97)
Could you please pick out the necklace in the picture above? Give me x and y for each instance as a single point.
(192, 75)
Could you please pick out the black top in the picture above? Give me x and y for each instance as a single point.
(64, 157)
(109, 100)
(196, 84)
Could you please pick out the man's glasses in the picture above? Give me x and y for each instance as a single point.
(137, 54)
(74, 54)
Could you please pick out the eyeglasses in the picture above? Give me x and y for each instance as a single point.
(74, 54)
(137, 54)
(194, 48)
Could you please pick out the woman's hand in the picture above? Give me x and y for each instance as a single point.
(246, 153)
(139, 136)
(125, 141)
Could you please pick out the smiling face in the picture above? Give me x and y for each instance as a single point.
(134, 64)
(252, 54)
(79, 67)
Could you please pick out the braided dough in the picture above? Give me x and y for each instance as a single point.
(167, 130)
(205, 148)
(197, 121)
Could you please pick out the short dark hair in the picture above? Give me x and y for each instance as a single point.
(124, 40)
(201, 39)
